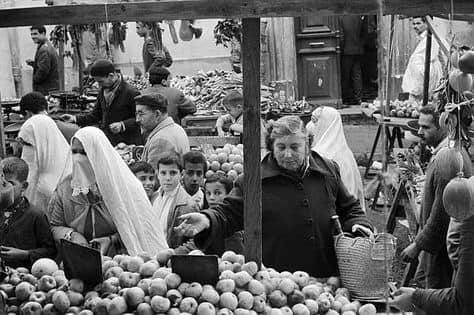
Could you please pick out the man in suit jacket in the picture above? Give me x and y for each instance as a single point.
(114, 111)
(152, 55)
(178, 105)
(45, 65)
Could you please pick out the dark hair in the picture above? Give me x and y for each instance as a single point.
(233, 99)
(141, 166)
(40, 28)
(102, 68)
(158, 74)
(195, 157)
(146, 24)
(154, 101)
(16, 167)
(216, 178)
(285, 126)
(431, 110)
(34, 102)
(169, 158)
(423, 18)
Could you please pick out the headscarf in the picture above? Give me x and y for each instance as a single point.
(329, 141)
(123, 195)
(46, 156)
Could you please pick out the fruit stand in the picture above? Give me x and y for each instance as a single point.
(305, 295)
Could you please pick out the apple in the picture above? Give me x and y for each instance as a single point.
(92, 302)
(173, 280)
(23, 291)
(61, 281)
(134, 296)
(46, 283)
(86, 312)
(225, 285)
(245, 300)
(285, 310)
(115, 271)
(242, 278)
(29, 278)
(134, 264)
(144, 284)
(14, 279)
(259, 304)
(31, 308)
(75, 298)
(228, 300)
(210, 295)
(38, 297)
(250, 267)
(227, 274)
(301, 278)
(117, 306)
(174, 311)
(188, 305)
(300, 309)
(129, 279)
(144, 309)
(61, 301)
(256, 287)
(262, 275)
(194, 290)
(236, 267)
(277, 299)
(76, 285)
(367, 309)
(224, 311)
(182, 287)
(206, 308)
(229, 256)
(312, 291)
(296, 297)
(102, 307)
(106, 265)
(49, 309)
(162, 272)
(225, 265)
(8, 288)
(148, 268)
(157, 287)
(175, 297)
(160, 304)
(164, 255)
(73, 310)
(44, 266)
(312, 306)
(111, 285)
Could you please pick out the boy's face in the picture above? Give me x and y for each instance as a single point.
(193, 177)
(215, 193)
(18, 186)
(168, 176)
(148, 181)
(235, 110)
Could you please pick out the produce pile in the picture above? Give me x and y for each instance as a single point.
(146, 285)
(126, 152)
(227, 161)
(402, 109)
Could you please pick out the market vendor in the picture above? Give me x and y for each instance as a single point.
(300, 192)
(102, 201)
(178, 105)
(152, 55)
(114, 110)
(161, 132)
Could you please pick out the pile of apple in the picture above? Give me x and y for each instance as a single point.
(146, 285)
(227, 161)
(126, 152)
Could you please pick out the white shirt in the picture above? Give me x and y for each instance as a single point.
(198, 198)
(162, 206)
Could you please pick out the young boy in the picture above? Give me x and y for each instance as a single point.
(146, 175)
(172, 199)
(25, 233)
(233, 121)
(217, 188)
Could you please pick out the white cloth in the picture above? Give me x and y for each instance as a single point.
(47, 158)
(123, 195)
(198, 198)
(329, 141)
(162, 206)
(83, 177)
(414, 74)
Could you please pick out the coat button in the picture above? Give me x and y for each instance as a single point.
(305, 203)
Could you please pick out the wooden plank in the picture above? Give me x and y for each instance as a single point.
(3, 150)
(253, 183)
(215, 141)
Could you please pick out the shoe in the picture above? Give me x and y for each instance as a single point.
(197, 31)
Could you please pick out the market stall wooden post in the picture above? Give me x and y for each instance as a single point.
(253, 183)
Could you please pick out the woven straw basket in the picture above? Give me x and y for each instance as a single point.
(362, 264)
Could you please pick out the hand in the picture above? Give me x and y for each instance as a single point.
(362, 230)
(68, 118)
(234, 127)
(193, 223)
(78, 238)
(30, 62)
(402, 300)
(410, 253)
(104, 243)
(220, 132)
(160, 55)
(115, 127)
(12, 253)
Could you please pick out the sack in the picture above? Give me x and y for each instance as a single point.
(363, 264)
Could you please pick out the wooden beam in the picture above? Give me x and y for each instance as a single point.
(253, 182)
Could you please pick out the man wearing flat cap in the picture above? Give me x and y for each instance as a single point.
(163, 134)
(114, 111)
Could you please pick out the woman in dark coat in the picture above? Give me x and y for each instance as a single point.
(300, 192)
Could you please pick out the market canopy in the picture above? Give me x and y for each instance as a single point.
(202, 9)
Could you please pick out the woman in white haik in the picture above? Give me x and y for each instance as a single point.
(329, 141)
(46, 152)
(102, 201)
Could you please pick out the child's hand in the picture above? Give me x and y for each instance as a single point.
(12, 253)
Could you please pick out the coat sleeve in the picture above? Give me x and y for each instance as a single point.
(44, 238)
(159, 60)
(458, 299)
(157, 147)
(226, 219)
(347, 206)
(131, 123)
(58, 223)
(43, 66)
(432, 237)
(91, 118)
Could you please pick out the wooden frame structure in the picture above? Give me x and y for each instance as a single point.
(250, 11)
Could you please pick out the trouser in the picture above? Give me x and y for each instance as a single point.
(434, 271)
(351, 78)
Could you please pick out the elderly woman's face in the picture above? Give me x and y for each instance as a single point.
(290, 151)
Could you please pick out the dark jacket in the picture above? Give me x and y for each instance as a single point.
(296, 228)
(28, 229)
(458, 299)
(45, 69)
(122, 108)
(178, 105)
(149, 54)
(434, 226)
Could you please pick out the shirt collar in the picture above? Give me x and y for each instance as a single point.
(314, 163)
(441, 145)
